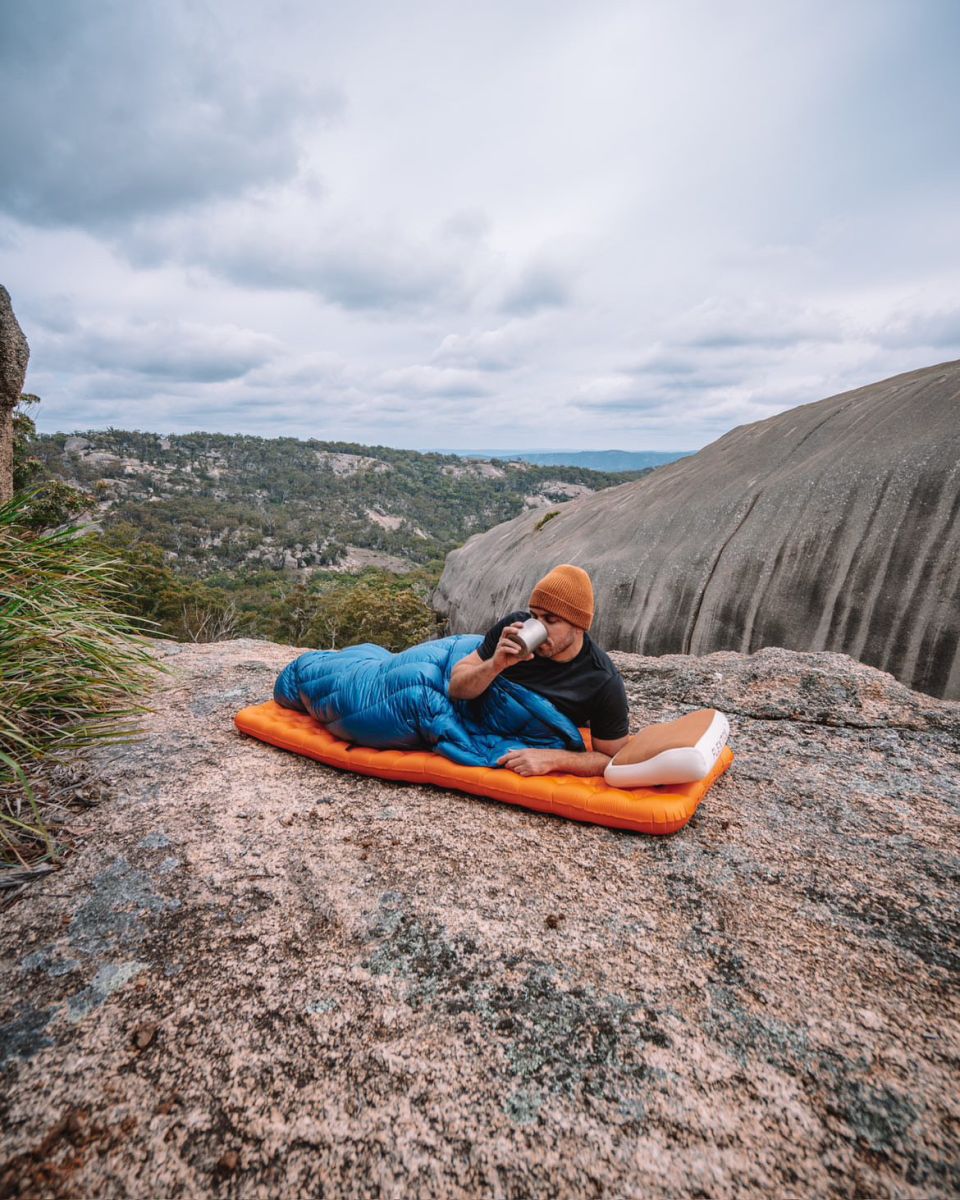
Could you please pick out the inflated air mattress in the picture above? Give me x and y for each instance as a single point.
(656, 810)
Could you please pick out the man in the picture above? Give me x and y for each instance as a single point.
(568, 669)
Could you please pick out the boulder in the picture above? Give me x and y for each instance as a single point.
(257, 976)
(14, 355)
(833, 526)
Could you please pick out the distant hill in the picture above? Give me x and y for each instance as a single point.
(221, 502)
(594, 460)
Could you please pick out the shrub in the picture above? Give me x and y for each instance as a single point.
(176, 606)
(545, 518)
(50, 501)
(72, 668)
(371, 610)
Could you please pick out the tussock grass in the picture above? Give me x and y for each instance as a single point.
(73, 669)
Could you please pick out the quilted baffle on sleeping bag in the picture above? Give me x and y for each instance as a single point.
(367, 695)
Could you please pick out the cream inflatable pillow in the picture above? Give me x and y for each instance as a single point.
(681, 751)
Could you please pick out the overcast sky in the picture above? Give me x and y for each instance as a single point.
(545, 224)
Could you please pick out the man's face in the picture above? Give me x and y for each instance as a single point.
(562, 636)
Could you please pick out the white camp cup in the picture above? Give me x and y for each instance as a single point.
(532, 633)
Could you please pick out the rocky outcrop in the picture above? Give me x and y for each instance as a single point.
(832, 526)
(260, 977)
(14, 354)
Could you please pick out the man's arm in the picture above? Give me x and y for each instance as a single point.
(570, 762)
(472, 675)
(610, 748)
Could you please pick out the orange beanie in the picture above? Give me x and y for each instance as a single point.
(568, 592)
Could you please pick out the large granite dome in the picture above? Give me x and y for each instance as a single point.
(834, 526)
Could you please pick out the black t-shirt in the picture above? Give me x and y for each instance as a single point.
(587, 689)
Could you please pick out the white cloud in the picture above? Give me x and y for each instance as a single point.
(160, 350)
(292, 240)
(538, 286)
(426, 380)
(115, 111)
(624, 225)
(939, 329)
(741, 322)
(501, 349)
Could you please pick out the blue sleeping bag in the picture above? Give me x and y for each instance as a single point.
(367, 695)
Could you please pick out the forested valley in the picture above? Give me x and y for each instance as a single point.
(302, 541)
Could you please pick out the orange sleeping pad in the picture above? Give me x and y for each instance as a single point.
(645, 810)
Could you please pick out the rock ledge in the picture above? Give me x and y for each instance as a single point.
(260, 977)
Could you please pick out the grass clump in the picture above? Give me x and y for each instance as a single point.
(545, 518)
(72, 668)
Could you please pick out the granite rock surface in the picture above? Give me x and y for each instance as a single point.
(14, 355)
(259, 977)
(833, 526)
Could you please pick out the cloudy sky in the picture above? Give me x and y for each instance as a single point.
(529, 223)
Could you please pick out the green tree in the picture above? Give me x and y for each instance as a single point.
(372, 610)
(47, 501)
(181, 608)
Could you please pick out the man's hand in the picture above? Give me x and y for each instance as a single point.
(472, 675)
(542, 762)
(530, 762)
(510, 650)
